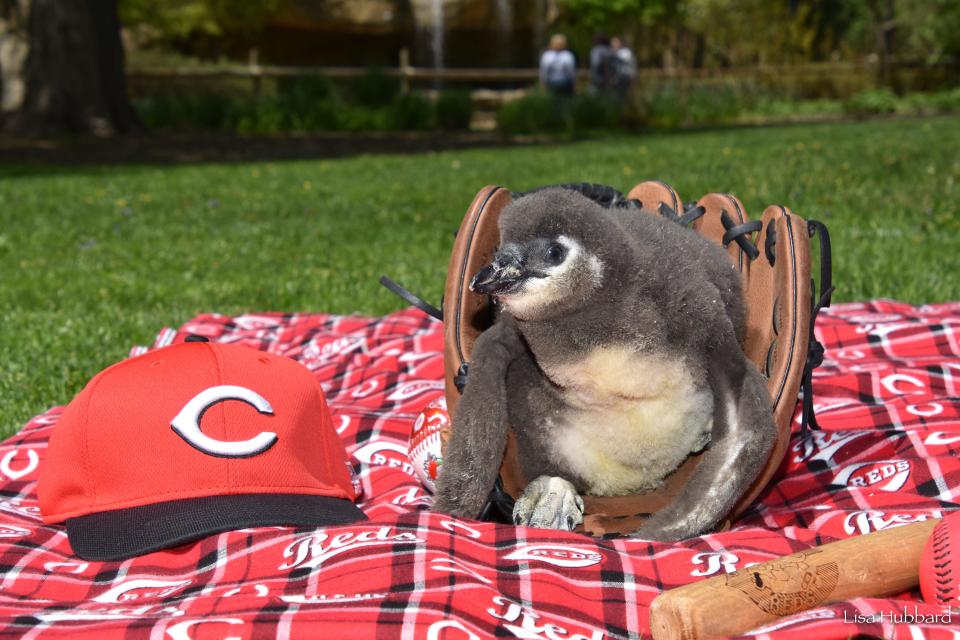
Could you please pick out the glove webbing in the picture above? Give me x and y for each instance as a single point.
(690, 213)
(413, 299)
(808, 418)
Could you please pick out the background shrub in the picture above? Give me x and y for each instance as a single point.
(872, 102)
(190, 111)
(359, 118)
(536, 112)
(454, 110)
(714, 104)
(670, 105)
(786, 109)
(374, 102)
(410, 112)
(260, 117)
(298, 94)
(660, 106)
(947, 101)
(372, 89)
(593, 112)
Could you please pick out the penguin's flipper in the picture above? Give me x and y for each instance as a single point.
(742, 437)
(473, 455)
(549, 502)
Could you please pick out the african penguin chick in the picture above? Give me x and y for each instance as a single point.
(616, 355)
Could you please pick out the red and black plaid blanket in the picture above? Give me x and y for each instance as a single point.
(888, 400)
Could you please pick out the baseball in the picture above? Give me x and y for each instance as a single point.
(939, 584)
(430, 430)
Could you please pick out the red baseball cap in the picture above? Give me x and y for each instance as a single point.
(190, 440)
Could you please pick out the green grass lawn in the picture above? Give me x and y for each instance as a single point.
(95, 260)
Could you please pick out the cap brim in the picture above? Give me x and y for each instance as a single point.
(124, 533)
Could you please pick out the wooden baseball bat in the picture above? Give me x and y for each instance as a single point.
(877, 564)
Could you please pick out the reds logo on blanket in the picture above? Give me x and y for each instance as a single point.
(556, 554)
(411, 389)
(886, 475)
(823, 445)
(99, 614)
(140, 589)
(942, 439)
(333, 598)
(25, 468)
(715, 561)
(16, 506)
(336, 348)
(387, 454)
(523, 623)
(310, 551)
(12, 531)
(872, 520)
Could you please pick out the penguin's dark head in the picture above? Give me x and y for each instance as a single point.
(548, 262)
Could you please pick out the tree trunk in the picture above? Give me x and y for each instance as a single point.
(889, 29)
(884, 14)
(74, 71)
(13, 53)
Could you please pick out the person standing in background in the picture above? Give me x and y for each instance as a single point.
(625, 67)
(558, 68)
(601, 64)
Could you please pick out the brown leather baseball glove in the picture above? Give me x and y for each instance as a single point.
(773, 257)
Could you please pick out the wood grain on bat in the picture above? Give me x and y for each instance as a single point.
(873, 565)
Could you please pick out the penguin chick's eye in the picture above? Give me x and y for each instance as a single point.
(555, 253)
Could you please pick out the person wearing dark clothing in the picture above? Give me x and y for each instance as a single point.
(602, 62)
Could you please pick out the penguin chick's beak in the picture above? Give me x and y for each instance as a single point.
(503, 275)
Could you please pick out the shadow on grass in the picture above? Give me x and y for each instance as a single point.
(23, 156)
(28, 156)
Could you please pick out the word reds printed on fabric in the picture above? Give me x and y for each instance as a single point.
(311, 551)
(869, 521)
(888, 400)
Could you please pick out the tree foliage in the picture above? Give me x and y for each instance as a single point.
(612, 15)
(733, 32)
(931, 28)
(683, 32)
(175, 19)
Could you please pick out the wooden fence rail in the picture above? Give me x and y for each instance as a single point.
(853, 74)
(408, 73)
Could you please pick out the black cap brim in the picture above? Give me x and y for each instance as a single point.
(124, 533)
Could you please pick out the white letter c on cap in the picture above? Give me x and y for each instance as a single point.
(187, 423)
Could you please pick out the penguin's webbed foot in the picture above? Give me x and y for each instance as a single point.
(549, 502)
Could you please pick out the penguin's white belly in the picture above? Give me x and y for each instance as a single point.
(631, 419)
